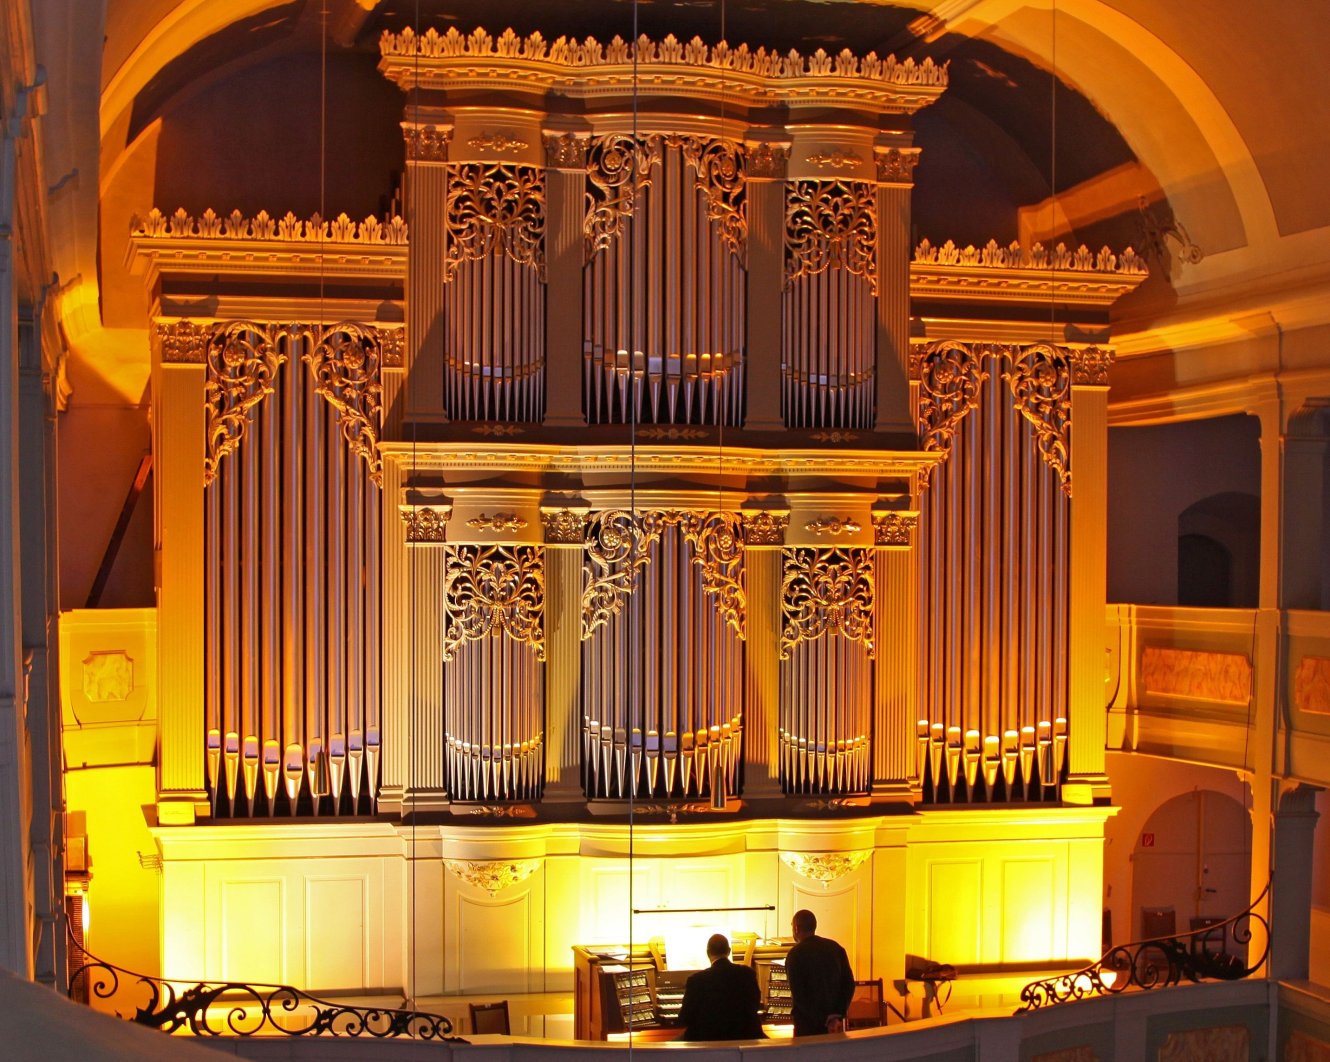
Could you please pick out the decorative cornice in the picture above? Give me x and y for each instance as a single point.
(1013, 256)
(1090, 365)
(564, 526)
(499, 522)
(824, 867)
(426, 523)
(497, 142)
(894, 528)
(492, 875)
(426, 143)
(833, 525)
(896, 165)
(286, 229)
(765, 528)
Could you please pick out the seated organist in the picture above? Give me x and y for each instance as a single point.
(722, 1002)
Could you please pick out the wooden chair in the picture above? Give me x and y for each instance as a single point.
(490, 1017)
(866, 1010)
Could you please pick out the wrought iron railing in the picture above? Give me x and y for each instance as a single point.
(230, 1008)
(1218, 952)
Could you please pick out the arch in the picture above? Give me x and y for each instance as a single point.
(1219, 551)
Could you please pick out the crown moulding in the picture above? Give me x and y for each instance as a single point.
(588, 68)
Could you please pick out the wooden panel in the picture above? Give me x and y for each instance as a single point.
(1029, 903)
(335, 933)
(253, 931)
(954, 920)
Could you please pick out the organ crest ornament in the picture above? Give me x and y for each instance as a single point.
(949, 376)
(826, 591)
(493, 589)
(495, 210)
(345, 364)
(242, 360)
(830, 224)
(1040, 380)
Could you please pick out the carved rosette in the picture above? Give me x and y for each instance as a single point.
(719, 165)
(1089, 367)
(949, 375)
(1040, 380)
(182, 342)
(769, 161)
(894, 529)
(495, 210)
(492, 875)
(345, 365)
(765, 528)
(824, 867)
(426, 524)
(896, 165)
(566, 152)
(491, 590)
(830, 224)
(242, 360)
(619, 167)
(826, 591)
(564, 527)
(426, 143)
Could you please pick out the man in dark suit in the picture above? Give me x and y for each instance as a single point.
(821, 983)
(721, 1003)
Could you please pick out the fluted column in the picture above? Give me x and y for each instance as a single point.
(396, 632)
(565, 240)
(564, 530)
(1087, 566)
(895, 174)
(764, 536)
(426, 784)
(895, 694)
(425, 203)
(178, 455)
(766, 274)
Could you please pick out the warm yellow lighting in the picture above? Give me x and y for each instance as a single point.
(1108, 978)
(85, 912)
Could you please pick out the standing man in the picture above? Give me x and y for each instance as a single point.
(821, 983)
(721, 1003)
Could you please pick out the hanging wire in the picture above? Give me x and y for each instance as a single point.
(633, 690)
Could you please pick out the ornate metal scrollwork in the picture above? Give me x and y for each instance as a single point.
(618, 548)
(949, 375)
(830, 223)
(619, 167)
(485, 587)
(720, 171)
(345, 363)
(826, 591)
(242, 360)
(1201, 955)
(1040, 380)
(232, 1008)
(492, 210)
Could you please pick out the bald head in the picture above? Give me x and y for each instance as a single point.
(803, 924)
(718, 947)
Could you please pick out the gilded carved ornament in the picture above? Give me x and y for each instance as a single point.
(182, 342)
(672, 431)
(492, 875)
(949, 376)
(893, 528)
(426, 143)
(770, 161)
(392, 347)
(564, 526)
(499, 522)
(618, 548)
(830, 224)
(765, 528)
(345, 363)
(1040, 379)
(499, 429)
(108, 675)
(566, 151)
(589, 52)
(896, 165)
(837, 160)
(826, 591)
(493, 590)
(1038, 257)
(1090, 365)
(263, 226)
(497, 142)
(833, 526)
(494, 210)
(426, 524)
(837, 436)
(241, 360)
(824, 867)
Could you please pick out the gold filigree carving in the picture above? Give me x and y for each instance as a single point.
(499, 522)
(497, 142)
(896, 165)
(826, 591)
(833, 525)
(949, 375)
(494, 587)
(837, 160)
(564, 527)
(719, 165)
(830, 223)
(771, 161)
(1014, 256)
(1040, 380)
(765, 528)
(492, 875)
(495, 210)
(263, 226)
(242, 360)
(426, 143)
(619, 167)
(345, 365)
(1089, 366)
(426, 523)
(182, 342)
(824, 867)
(618, 548)
(392, 347)
(108, 676)
(894, 529)
(566, 152)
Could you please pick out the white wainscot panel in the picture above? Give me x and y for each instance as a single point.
(253, 930)
(335, 939)
(606, 902)
(495, 942)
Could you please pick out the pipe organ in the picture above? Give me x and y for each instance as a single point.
(542, 544)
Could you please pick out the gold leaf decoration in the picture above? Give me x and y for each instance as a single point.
(488, 590)
(242, 360)
(345, 365)
(492, 875)
(1040, 380)
(826, 591)
(824, 867)
(493, 210)
(830, 224)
